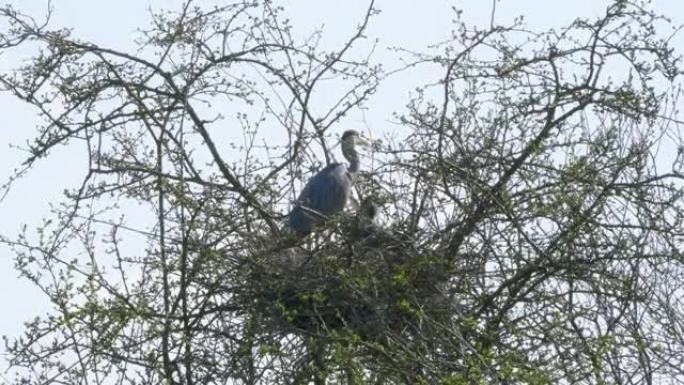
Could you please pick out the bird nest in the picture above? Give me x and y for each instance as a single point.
(366, 283)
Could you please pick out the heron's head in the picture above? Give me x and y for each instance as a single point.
(352, 138)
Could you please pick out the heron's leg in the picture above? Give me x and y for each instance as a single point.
(309, 244)
(354, 203)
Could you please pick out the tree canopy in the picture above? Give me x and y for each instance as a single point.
(534, 220)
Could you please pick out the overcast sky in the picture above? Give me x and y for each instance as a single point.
(411, 24)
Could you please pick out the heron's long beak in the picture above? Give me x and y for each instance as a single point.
(361, 141)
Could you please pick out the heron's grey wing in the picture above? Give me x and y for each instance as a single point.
(304, 195)
(299, 220)
(325, 194)
(329, 189)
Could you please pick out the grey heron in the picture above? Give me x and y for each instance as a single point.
(327, 192)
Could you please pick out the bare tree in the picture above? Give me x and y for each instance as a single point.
(537, 217)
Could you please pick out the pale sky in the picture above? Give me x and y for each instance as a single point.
(411, 24)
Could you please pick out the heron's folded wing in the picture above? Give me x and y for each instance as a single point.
(327, 191)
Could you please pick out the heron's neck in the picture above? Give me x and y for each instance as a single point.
(352, 156)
